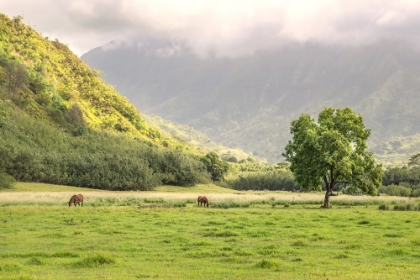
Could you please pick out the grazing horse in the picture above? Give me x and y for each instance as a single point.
(202, 200)
(76, 199)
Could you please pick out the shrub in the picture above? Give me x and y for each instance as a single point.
(271, 181)
(383, 207)
(6, 181)
(415, 193)
(395, 190)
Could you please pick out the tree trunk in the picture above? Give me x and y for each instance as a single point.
(327, 199)
(329, 184)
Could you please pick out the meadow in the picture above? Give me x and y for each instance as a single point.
(164, 235)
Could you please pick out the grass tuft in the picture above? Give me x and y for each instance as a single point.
(300, 243)
(392, 235)
(353, 246)
(398, 252)
(99, 259)
(226, 233)
(342, 256)
(35, 261)
(11, 267)
(266, 264)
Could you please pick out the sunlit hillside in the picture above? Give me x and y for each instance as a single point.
(61, 123)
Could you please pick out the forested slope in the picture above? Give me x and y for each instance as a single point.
(60, 123)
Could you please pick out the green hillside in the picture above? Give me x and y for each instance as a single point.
(196, 138)
(61, 124)
(248, 102)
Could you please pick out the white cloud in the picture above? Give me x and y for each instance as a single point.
(236, 27)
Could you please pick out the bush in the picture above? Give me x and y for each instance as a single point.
(404, 207)
(271, 181)
(415, 193)
(383, 207)
(395, 190)
(6, 181)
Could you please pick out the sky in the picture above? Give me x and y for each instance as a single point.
(224, 27)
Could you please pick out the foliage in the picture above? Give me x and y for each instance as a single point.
(46, 80)
(249, 174)
(395, 190)
(271, 181)
(6, 181)
(383, 207)
(414, 161)
(216, 167)
(60, 123)
(33, 150)
(332, 151)
(403, 177)
(398, 175)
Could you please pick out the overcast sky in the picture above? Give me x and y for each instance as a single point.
(236, 27)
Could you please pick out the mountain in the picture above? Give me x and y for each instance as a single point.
(61, 123)
(248, 102)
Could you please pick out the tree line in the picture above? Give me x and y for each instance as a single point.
(403, 180)
(35, 151)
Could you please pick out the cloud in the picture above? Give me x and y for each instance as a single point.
(231, 28)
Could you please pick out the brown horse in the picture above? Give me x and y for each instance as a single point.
(202, 200)
(76, 199)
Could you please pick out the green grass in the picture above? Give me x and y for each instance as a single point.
(259, 242)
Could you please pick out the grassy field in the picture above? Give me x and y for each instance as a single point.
(157, 235)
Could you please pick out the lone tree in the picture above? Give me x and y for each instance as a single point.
(332, 150)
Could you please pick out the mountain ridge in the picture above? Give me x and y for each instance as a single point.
(248, 102)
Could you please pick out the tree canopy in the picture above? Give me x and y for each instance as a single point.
(216, 167)
(332, 150)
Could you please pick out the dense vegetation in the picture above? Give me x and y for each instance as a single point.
(403, 180)
(60, 123)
